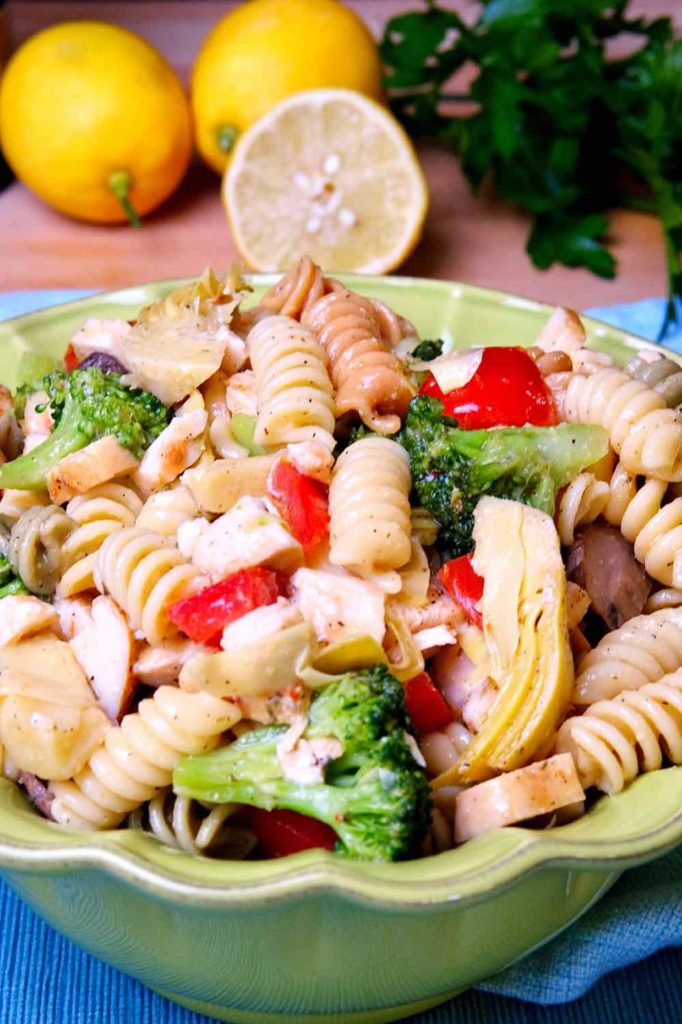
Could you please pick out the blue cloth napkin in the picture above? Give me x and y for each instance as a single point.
(43, 977)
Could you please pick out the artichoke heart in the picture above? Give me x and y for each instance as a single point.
(526, 634)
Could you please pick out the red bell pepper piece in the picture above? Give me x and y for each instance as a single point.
(507, 390)
(280, 833)
(426, 705)
(71, 360)
(203, 616)
(464, 585)
(302, 502)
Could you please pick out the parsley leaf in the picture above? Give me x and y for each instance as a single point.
(555, 118)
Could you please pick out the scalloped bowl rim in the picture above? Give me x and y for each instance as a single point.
(477, 870)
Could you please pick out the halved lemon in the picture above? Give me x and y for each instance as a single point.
(329, 173)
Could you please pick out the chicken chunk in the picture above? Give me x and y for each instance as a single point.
(241, 394)
(174, 450)
(312, 458)
(95, 464)
(249, 534)
(538, 788)
(104, 650)
(339, 606)
(74, 614)
(260, 624)
(162, 664)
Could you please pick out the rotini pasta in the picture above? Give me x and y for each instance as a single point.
(97, 514)
(295, 395)
(653, 528)
(582, 502)
(639, 652)
(166, 511)
(370, 380)
(293, 590)
(643, 431)
(661, 374)
(299, 289)
(633, 732)
(144, 575)
(369, 506)
(187, 825)
(137, 758)
(666, 597)
(441, 836)
(36, 547)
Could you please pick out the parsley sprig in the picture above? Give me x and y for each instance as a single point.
(563, 129)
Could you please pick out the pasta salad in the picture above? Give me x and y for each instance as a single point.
(286, 576)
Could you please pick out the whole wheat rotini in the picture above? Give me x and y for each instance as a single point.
(185, 824)
(370, 380)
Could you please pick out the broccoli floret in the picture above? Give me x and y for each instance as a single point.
(86, 405)
(375, 796)
(428, 350)
(9, 581)
(453, 468)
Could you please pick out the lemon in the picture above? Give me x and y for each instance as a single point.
(266, 50)
(330, 173)
(94, 121)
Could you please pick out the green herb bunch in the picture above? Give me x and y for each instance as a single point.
(563, 129)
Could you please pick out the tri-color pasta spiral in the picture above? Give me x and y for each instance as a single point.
(639, 652)
(299, 289)
(643, 431)
(370, 380)
(369, 506)
(137, 758)
(144, 574)
(654, 528)
(167, 510)
(581, 502)
(37, 547)
(661, 374)
(97, 514)
(187, 825)
(666, 597)
(615, 740)
(295, 394)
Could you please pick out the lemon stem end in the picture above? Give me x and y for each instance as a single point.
(119, 182)
(226, 136)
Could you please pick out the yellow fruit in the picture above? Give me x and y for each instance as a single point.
(94, 121)
(329, 173)
(266, 50)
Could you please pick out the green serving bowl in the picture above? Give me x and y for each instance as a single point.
(313, 938)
